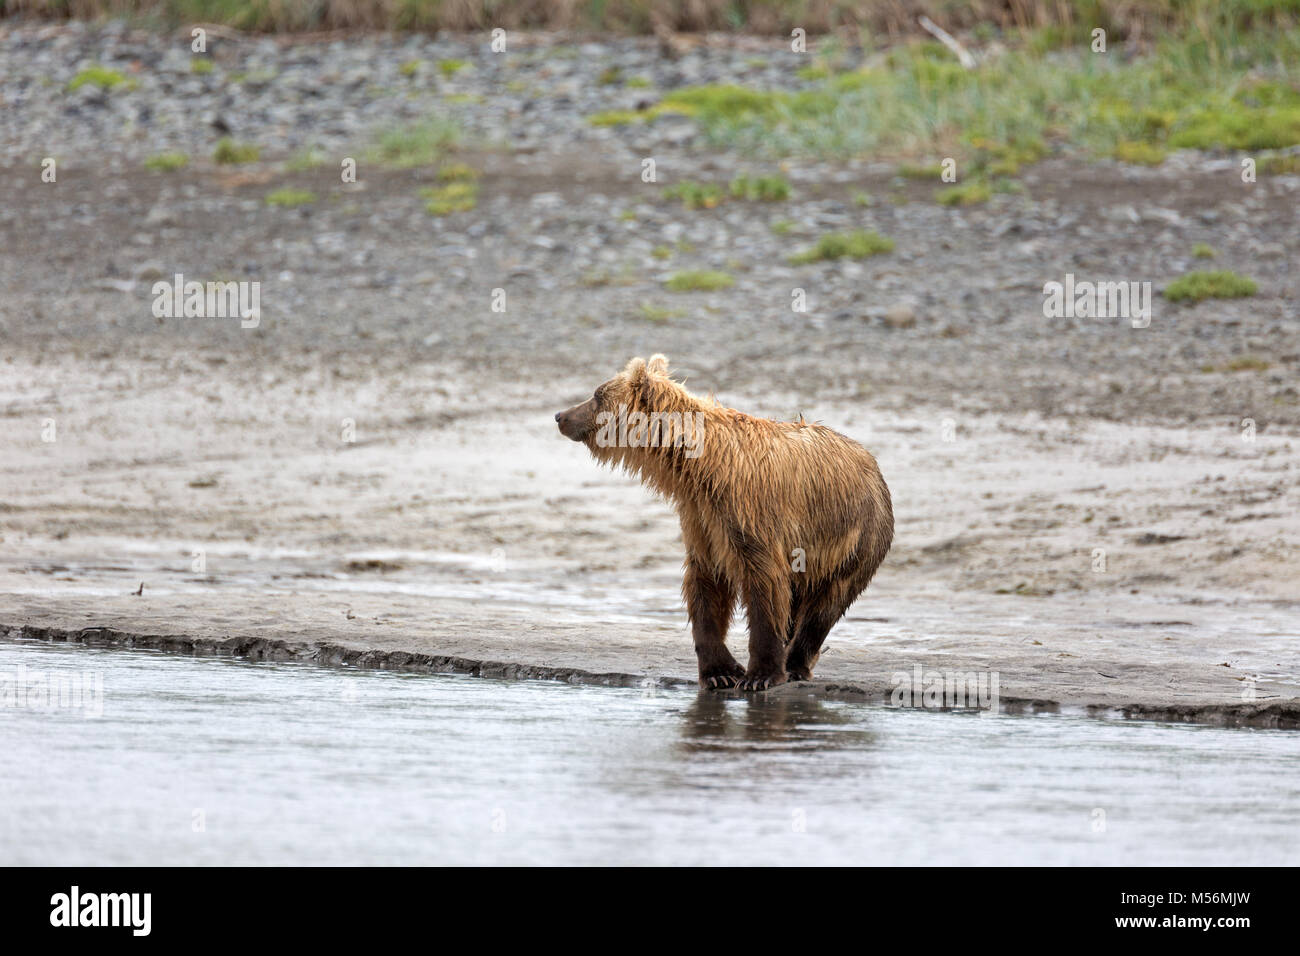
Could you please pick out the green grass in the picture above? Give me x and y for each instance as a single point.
(695, 195)
(456, 196)
(1279, 164)
(1196, 286)
(915, 171)
(966, 194)
(654, 313)
(1204, 86)
(1203, 251)
(422, 144)
(1059, 24)
(305, 159)
(1246, 363)
(167, 162)
(458, 173)
(290, 198)
(1139, 154)
(845, 245)
(451, 67)
(102, 77)
(230, 153)
(200, 66)
(699, 281)
(760, 188)
(409, 68)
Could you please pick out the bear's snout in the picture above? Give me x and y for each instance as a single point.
(576, 422)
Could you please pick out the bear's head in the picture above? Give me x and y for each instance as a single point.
(629, 389)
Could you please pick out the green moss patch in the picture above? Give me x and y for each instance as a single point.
(230, 153)
(453, 197)
(167, 162)
(845, 245)
(1196, 286)
(699, 281)
(289, 198)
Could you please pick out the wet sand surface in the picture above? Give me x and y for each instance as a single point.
(492, 539)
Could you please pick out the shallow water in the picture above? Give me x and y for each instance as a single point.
(217, 761)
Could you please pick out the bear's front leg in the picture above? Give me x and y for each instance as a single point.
(768, 607)
(709, 602)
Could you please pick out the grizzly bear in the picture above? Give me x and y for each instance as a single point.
(792, 517)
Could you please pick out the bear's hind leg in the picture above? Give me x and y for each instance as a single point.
(820, 613)
(709, 602)
(806, 647)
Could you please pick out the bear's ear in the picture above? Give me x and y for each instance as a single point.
(658, 364)
(635, 371)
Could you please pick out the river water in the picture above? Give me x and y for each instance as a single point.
(153, 758)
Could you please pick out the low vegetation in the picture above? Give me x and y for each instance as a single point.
(760, 188)
(695, 195)
(1196, 286)
(230, 153)
(167, 162)
(419, 144)
(99, 76)
(699, 281)
(966, 194)
(1217, 79)
(290, 198)
(845, 245)
(1053, 24)
(455, 196)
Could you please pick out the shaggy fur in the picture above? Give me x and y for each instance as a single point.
(753, 495)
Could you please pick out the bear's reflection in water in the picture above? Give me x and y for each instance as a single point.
(719, 722)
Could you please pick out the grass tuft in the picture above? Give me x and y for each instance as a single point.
(230, 153)
(845, 245)
(167, 162)
(695, 195)
(702, 280)
(99, 76)
(423, 144)
(760, 188)
(1196, 286)
(966, 194)
(290, 198)
(456, 196)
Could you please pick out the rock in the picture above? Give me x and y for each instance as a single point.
(900, 316)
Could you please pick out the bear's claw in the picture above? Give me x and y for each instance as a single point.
(761, 683)
(720, 681)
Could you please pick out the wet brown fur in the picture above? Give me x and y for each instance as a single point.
(759, 490)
